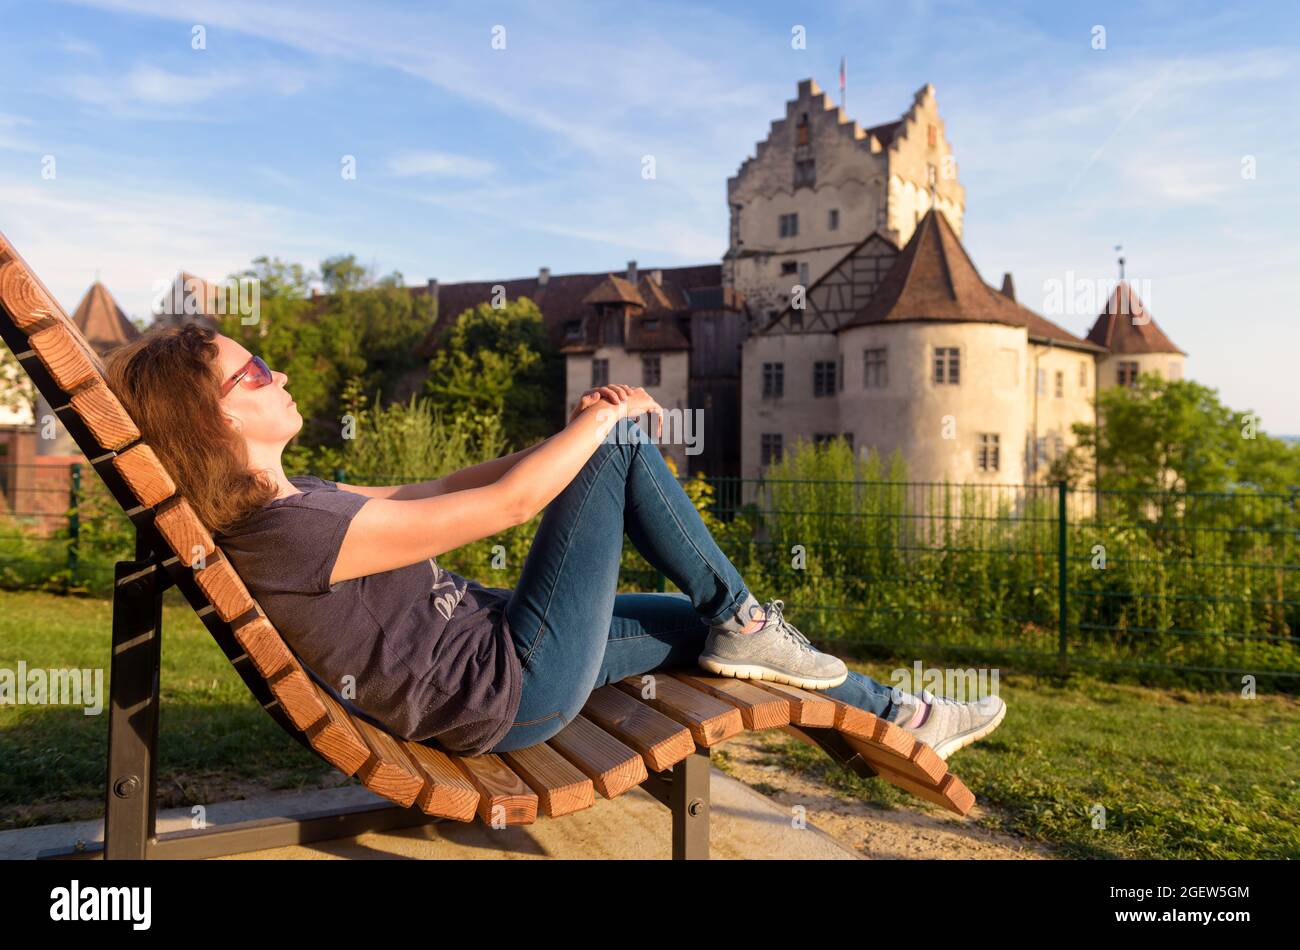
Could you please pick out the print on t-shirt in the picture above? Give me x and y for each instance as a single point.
(445, 602)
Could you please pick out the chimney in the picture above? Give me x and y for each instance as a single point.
(658, 277)
(1008, 286)
(631, 272)
(433, 293)
(543, 275)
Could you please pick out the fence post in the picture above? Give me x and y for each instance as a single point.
(1062, 579)
(74, 524)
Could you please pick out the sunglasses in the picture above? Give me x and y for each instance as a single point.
(255, 370)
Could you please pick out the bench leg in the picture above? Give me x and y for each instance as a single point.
(689, 801)
(130, 807)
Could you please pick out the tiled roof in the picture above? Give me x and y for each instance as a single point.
(613, 290)
(1116, 331)
(933, 278)
(101, 321)
(559, 299)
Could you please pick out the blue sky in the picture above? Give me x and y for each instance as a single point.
(475, 163)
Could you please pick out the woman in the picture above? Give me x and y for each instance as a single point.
(348, 573)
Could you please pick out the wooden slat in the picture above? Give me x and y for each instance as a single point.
(297, 694)
(949, 792)
(64, 356)
(759, 709)
(501, 792)
(560, 787)
(888, 744)
(388, 771)
(336, 738)
(661, 741)
(834, 744)
(188, 538)
(447, 792)
(611, 765)
(105, 416)
(144, 474)
(807, 708)
(264, 646)
(710, 719)
(23, 296)
(229, 597)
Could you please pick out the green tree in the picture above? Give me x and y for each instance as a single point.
(1175, 435)
(500, 361)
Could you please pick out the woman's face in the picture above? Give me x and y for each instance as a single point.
(266, 415)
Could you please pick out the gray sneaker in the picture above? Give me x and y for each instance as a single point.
(776, 652)
(952, 725)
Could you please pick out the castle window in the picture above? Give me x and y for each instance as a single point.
(1083, 373)
(802, 130)
(822, 438)
(771, 448)
(932, 135)
(600, 372)
(1127, 372)
(773, 380)
(803, 273)
(947, 365)
(1175, 370)
(875, 370)
(834, 223)
(848, 437)
(1040, 452)
(987, 456)
(824, 378)
(650, 324)
(805, 172)
(1041, 388)
(1060, 383)
(789, 224)
(789, 267)
(796, 318)
(650, 370)
(572, 329)
(1058, 446)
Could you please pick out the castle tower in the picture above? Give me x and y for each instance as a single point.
(820, 184)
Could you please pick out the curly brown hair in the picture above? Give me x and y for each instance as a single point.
(168, 381)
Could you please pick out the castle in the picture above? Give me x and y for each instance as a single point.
(845, 305)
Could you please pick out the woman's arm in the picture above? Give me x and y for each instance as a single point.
(485, 473)
(388, 533)
(475, 476)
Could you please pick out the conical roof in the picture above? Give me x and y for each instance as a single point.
(933, 278)
(101, 321)
(1126, 326)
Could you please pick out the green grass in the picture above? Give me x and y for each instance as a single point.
(1180, 774)
(215, 741)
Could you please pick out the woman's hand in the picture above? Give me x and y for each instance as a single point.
(635, 398)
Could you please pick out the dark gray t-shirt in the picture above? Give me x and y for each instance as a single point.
(430, 650)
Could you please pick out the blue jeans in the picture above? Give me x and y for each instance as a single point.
(574, 632)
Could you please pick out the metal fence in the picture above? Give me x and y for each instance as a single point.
(1039, 574)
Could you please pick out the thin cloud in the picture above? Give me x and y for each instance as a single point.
(439, 165)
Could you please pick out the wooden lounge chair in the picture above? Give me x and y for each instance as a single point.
(627, 734)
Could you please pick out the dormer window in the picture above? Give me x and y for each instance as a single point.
(572, 329)
(650, 324)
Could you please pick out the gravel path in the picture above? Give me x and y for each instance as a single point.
(871, 831)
